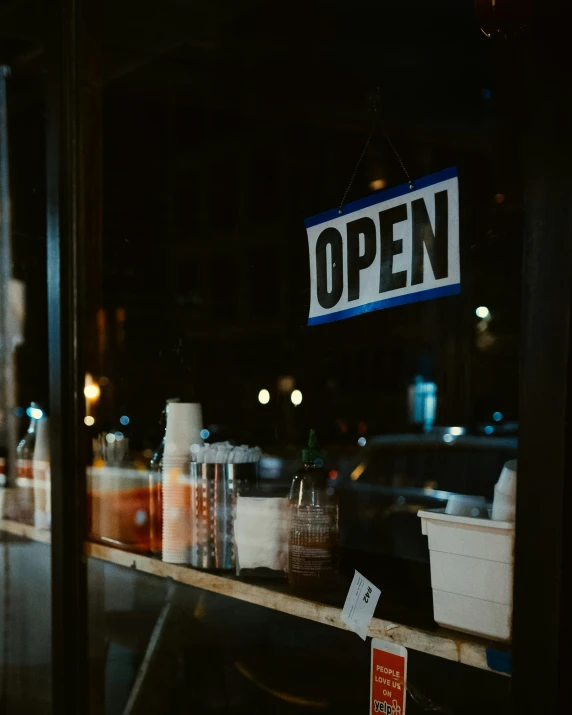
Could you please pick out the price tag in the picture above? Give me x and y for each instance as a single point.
(360, 605)
(388, 678)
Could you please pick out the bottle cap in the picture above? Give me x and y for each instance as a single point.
(311, 453)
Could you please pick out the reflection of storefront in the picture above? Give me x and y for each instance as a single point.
(185, 148)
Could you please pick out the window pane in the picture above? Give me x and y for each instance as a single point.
(25, 500)
(225, 127)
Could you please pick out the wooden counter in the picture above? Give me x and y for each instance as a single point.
(451, 645)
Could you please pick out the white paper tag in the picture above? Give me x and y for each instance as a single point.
(360, 605)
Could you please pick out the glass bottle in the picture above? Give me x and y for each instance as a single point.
(25, 449)
(156, 500)
(313, 526)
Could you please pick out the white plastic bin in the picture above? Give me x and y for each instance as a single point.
(471, 572)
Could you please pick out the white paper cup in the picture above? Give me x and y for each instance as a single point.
(42, 446)
(507, 480)
(171, 460)
(466, 505)
(504, 507)
(43, 520)
(184, 425)
(41, 474)
(176, 502)
(177, 465)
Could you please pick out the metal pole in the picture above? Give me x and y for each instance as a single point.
(7, 381)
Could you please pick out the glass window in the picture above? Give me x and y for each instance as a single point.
(25, 495)
(224, 128)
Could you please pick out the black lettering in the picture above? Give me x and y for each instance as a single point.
(388, 280)
(356, 263)
(437, 244)
(329, 237)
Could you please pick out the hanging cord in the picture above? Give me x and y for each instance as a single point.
(359, 161)
(375, 101)
(399, 159)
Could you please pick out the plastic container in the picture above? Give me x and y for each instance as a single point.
(471, 573)
(119, 507)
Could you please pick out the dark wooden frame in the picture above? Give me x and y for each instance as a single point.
(542, 587)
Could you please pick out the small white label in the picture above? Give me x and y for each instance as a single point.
(360, 605)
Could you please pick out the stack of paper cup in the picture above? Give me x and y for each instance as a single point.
(176, 514)
(41, 474)
(504, 503)
(184, 425)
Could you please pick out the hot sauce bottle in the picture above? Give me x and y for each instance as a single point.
(313, 524)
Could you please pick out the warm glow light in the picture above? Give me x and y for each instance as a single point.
(296, 397)
(482, 312)
(286, 384)
(92, 392)
(457, 431)
(35, 413)
(264, 397)
(358, 471)
(89, 420)
(377, 184)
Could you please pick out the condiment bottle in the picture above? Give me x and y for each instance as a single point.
(313, 527)
(25, 449)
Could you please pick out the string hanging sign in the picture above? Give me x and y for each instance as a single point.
(391, 248)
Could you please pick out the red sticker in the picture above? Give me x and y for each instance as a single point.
(388, 678)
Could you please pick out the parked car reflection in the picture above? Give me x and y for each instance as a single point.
(397, 475)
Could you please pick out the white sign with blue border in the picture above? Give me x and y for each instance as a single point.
(390, 248)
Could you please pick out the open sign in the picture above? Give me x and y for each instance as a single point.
(390, 248)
